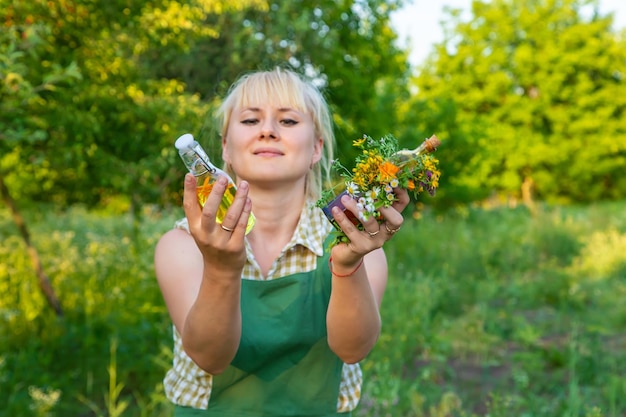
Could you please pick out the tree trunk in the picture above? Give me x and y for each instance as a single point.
(44, 281)
(527, 194)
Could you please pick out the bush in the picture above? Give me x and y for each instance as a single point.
(487, 312)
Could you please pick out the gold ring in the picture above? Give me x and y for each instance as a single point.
(228, 229)
(391, 231)
(372, 234)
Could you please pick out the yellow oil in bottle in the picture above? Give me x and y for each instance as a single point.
(205, 185)
(198, 163)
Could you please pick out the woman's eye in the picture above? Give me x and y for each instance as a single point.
(289, 122)
(249, 121)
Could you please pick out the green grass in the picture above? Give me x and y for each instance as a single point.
(487, 312)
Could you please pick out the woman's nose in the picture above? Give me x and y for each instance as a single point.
(268, 130)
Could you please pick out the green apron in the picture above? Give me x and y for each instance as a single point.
(284, 366)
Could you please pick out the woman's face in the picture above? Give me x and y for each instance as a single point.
(268, 145)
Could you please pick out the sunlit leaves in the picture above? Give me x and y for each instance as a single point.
(109, 84)
(537, 87)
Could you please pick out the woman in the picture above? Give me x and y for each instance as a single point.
(272, 323)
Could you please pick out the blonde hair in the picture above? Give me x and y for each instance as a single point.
(285, 88)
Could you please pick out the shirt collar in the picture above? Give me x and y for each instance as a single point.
(312, 229)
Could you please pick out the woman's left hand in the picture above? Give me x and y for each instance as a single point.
(374, 235)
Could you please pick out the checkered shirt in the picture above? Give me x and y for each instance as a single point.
(187, 385)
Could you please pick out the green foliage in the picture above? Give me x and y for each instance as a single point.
(105, 281)
(104, 133)
(348, 48)
(528, 94)
(94, 92)
(487, 312)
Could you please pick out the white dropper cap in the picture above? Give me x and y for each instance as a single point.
(186, 141)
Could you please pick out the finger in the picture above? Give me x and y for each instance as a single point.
(235, 212)
(242, 224)
(392, 218)
(360, 242)
(402, 199)
(190, 200)
(391, 230)
(213, 202)
(370, 225)
(344, 222)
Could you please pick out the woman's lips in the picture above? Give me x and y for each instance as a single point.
(268, 152)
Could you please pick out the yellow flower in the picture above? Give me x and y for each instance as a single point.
(365, 172)
(357, 143)
(430, 164)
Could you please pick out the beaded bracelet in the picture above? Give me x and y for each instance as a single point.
(330, 260)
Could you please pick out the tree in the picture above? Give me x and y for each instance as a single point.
(103, 135)
(532, 96)
(21, 102)
(150, 70)
(347, 47)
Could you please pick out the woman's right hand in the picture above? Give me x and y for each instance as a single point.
(222, 245)
(200, 275)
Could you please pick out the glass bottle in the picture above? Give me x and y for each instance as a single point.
(405, 156)
(198, 163)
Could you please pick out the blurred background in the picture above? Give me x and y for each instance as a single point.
(506, 288)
